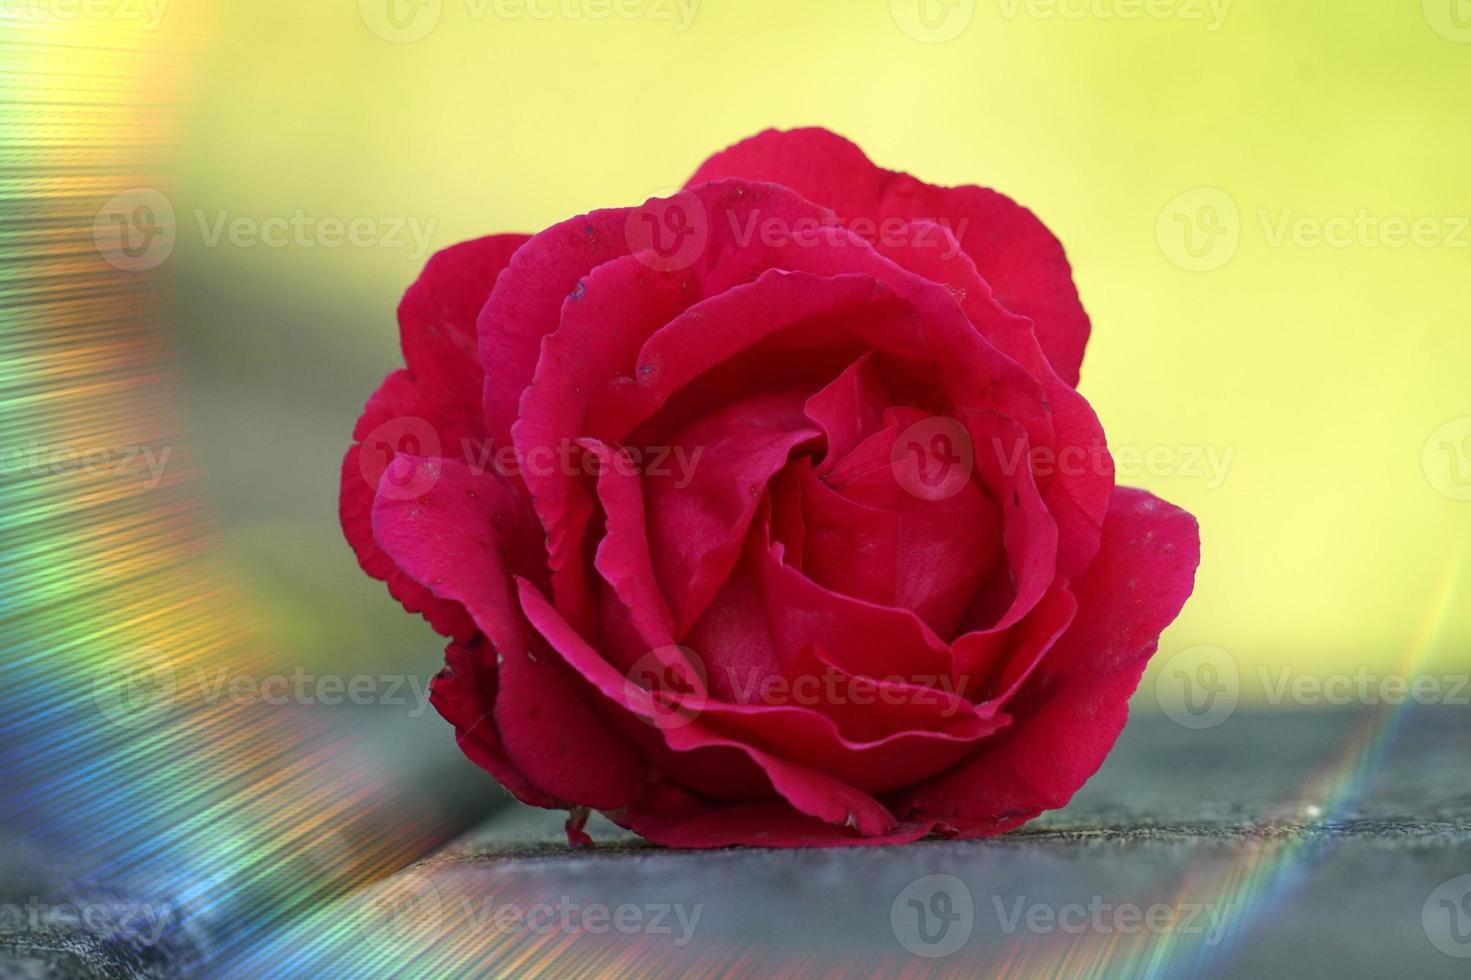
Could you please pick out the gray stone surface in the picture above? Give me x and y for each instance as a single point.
(1275, 845)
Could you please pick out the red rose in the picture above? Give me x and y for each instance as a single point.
(768, 513)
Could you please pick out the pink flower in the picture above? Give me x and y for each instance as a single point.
(734, 510)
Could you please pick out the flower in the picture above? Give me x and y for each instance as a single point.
(729, 507)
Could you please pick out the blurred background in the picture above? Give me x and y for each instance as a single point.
(1265, 205)
(212, 209)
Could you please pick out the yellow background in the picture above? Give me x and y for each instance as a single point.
(1323, 371)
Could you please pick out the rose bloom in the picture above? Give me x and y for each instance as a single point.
(727, 506)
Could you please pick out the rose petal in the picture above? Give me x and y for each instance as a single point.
(674, 818)
(944, 547)
(848, 547)
(1072, 708)
(464, 694)
(813, 793)
(462, 540)
(1075, 471)
(435, 399)
(697, 530)
(1014, 251)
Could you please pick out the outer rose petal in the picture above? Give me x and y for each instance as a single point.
(1074, 705)
(812, 792)
(464, 694)
(463, 539)
(1022, 260)
(666, 815)
(441, 386)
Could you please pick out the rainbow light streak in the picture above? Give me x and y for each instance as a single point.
(237, 816)
(251, 819)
